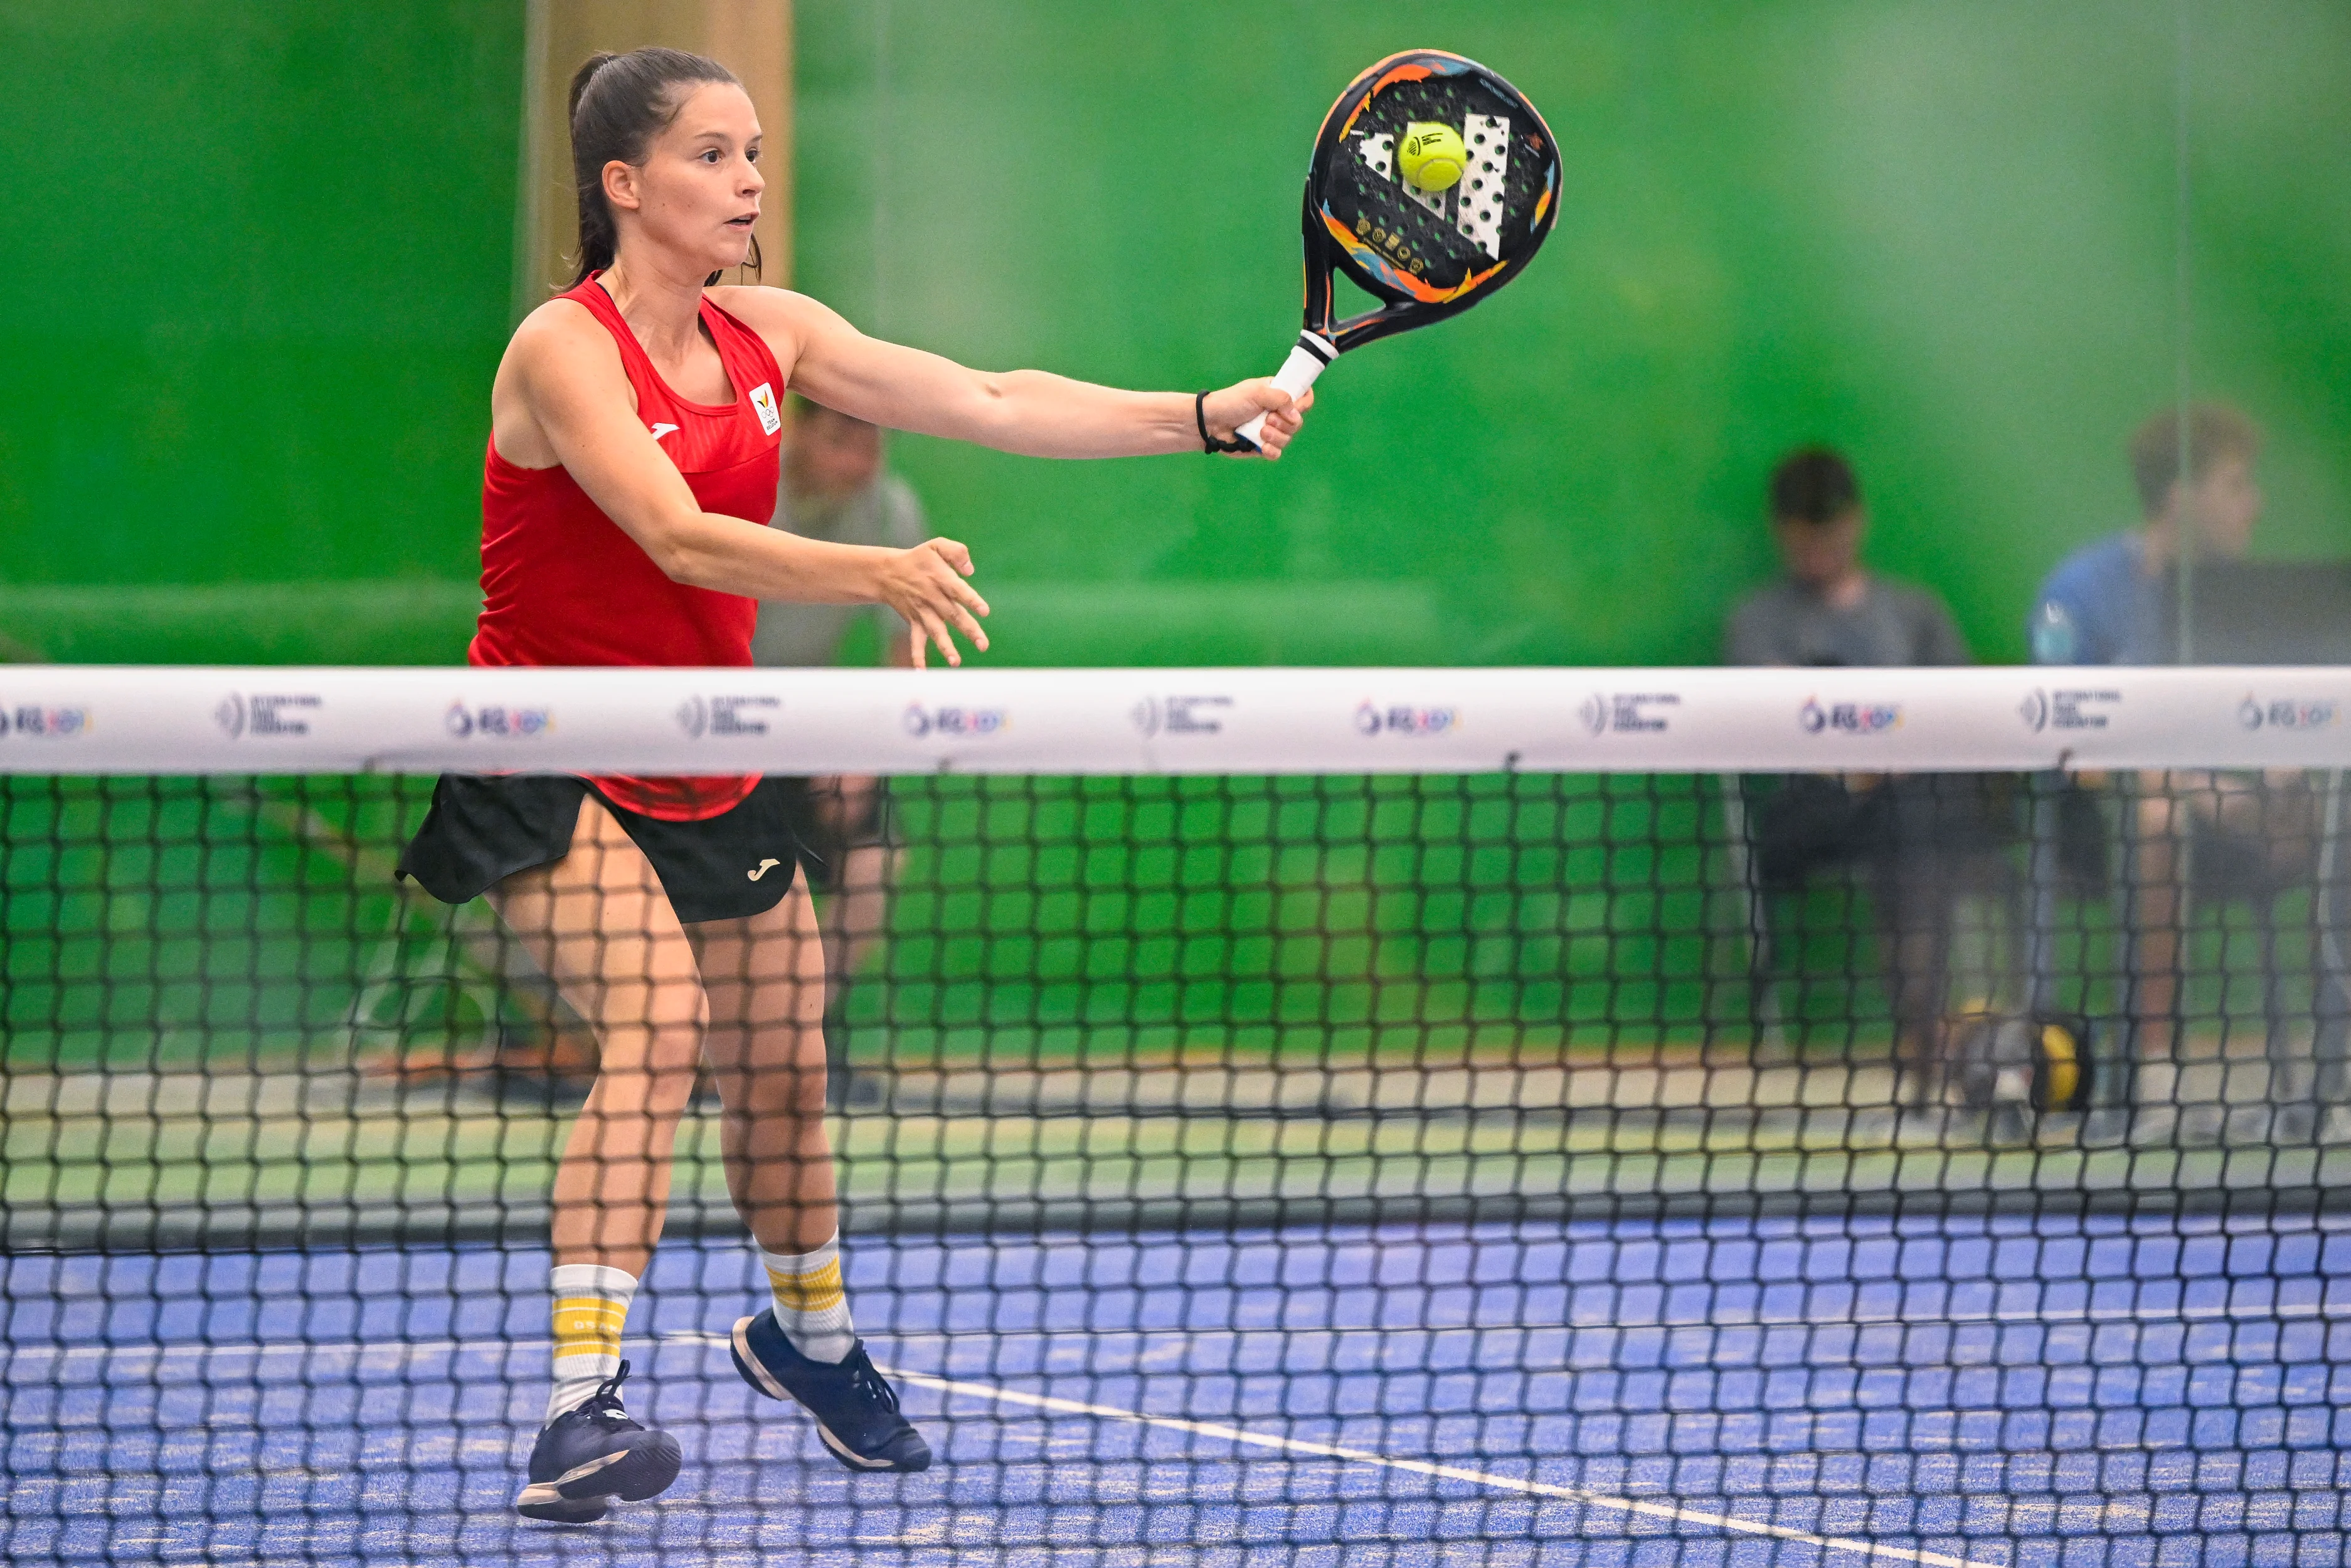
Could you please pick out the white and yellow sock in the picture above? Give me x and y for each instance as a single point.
(591, 1303)
(811, 1306)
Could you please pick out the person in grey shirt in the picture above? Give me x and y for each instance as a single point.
(1827, 608)
(1918, 839)
(835, 487)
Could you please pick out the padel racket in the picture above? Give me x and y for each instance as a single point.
(1424, 254)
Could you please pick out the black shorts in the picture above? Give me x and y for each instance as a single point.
(482, 830)
(1811, 823)
(826, 831)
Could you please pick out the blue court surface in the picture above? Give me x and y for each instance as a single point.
(2032, 1393)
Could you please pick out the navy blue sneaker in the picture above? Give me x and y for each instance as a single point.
(856, 1409)
(593, 1452)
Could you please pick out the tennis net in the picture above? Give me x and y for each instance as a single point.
(1279, 1116)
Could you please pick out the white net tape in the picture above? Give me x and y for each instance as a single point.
(73, 719)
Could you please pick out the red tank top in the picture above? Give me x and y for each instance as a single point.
(563, 584)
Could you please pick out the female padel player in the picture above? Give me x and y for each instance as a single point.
(633, 461)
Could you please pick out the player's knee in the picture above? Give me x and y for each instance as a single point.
(676, 1052)
(792, 1087)
(658, 1065)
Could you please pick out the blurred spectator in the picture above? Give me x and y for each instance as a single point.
(1827, 608)
(2223, 836)
(2104, 604)
(835, 487)
(1921, 840)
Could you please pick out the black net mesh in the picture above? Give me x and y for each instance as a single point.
(1498, 1169)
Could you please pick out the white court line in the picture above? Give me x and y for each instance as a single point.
(403, 1349)
(1424, 1468)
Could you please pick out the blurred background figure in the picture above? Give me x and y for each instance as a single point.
(1827, 608)
(2195, 836)
(1922, 841)
(835, 487)
(2105, 603)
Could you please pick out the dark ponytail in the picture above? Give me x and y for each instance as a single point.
(619, 104)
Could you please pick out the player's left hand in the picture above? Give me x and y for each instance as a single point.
(926, 586)
(1227, 410)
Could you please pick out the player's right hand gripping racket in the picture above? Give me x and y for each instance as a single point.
(1426, 255)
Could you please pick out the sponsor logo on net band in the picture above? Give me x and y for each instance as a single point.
(2070, 708)
(1816, 717)
(1627, 713)
(1403, 718)
(725, 716)
(2287, 713)
(1180, 715)
(36, 722)
(263, 714)
(921, 721)
(496, 721)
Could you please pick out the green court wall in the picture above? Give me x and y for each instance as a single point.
(1944, 237)
(262, 256)
(265, 265)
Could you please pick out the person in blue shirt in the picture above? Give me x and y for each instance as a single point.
(2104, 604)
(2227, 835)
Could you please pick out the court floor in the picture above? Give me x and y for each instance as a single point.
(2009, 1392)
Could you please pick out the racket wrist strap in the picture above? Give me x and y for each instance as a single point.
(1207, 442)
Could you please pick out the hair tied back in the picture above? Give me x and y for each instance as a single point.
(619, 104)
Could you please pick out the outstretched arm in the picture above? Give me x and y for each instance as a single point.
(1032, 412)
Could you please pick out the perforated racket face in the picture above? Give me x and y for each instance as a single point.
(1425, 254)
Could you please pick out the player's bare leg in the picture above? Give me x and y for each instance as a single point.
(857, 929)
(600, 924)
(855, 917)
(765, 978)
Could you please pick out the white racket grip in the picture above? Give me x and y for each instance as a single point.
(1307, 358)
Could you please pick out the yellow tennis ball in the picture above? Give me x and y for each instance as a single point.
(1431, 155)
